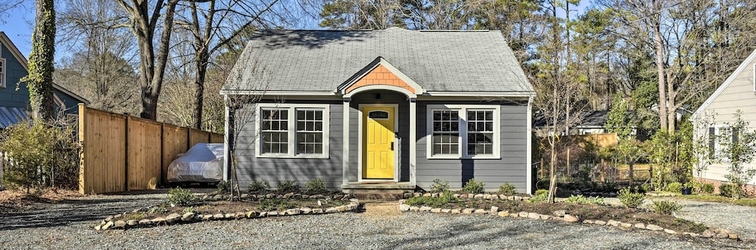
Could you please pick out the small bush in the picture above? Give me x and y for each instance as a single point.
(258, 186)
(474, 186)
(674, 187)
(158, 210)
(707, 188)
(288, 187)
(631, 199)
(579, 199)
(666, 207)
(179, 197)
(646, 187)
(224, 187)
(439, 186)
(729, 190)
(443, 199)
(507, 189)
(275, 204)
(315, 186)
(540, 195)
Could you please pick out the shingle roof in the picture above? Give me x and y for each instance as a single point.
(321, 60)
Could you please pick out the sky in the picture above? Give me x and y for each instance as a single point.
(18, 24)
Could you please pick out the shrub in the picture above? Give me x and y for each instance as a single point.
(666, 207)
(258, 186)
(224, 187)
(443, 199)
(646, 187)
(288, 187)
(631, 199)
(579, 199)
(315, 186)
(439, 186)
(43, 155)
(729, 190)
(507, 189)
(674, 187)
(474, 186)
(707, 188)
(540, 195)
(179, 197)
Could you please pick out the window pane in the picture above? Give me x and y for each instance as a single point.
(300, 125)
(300, 114)
(318, 126)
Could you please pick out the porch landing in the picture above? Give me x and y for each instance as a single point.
(378, 190)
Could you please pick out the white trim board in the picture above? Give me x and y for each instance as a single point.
(743, 66)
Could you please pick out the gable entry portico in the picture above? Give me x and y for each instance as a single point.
(378, 153)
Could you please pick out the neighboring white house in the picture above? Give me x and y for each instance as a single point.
(738, 92)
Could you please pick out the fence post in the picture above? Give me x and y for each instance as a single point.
(82, 151)
(126, 141)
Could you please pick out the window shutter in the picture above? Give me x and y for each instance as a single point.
(712, 141)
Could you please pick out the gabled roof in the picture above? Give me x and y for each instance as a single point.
(22, 60)
(323, 61)
(743, 66)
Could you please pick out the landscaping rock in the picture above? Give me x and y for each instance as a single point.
(504, 213)
(158, 221)
(414, 208)
(264, 214)
(273, 213)
(733, 236)
(523, 214)
(514, 215)
(559, 213)
(207, 217)
(173, 218)
(640, 225)
(427, 195)
(626, 225)
(613, 223)
(119, 224)
(317, 211)
(654, 227)
(132, 222)
(107, 225)
(188, 216)
(404, 207)
(98, 227)
(342, 208)
(218, 217)
(468, 211)
(478, 196)
(332, 210)
(494, 209)
(599, 222)
(587, 222)
(456, 211)
(488, 197)
(545, 217)
(446, 210)
(456, 195)
(570, 218)
(708, 233)
(435, 210)
(480, 211)
(239, 215)
(425, 208)
(534, 215)
(251, 214)
(670, 231)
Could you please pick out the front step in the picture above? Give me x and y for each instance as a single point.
(367, 194)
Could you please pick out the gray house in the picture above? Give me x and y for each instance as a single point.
(738, 92)
(380, 109)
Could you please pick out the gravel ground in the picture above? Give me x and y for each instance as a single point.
(738, 219)
(69, 225)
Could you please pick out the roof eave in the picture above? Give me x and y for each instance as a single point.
(743, 66)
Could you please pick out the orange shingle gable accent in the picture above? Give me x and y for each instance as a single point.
(380, 76)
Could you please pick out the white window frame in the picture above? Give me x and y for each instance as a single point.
(462, 139)
(292, 130)
(753, 78)
(718, 147)
(3, 72)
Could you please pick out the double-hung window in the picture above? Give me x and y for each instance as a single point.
(459, 131)
(3, 73)
(721, 137)
(288, 130)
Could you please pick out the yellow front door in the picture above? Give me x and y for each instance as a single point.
(378, 149)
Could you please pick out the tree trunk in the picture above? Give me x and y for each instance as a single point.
(660, 67)
(199, 93)
(41, 62)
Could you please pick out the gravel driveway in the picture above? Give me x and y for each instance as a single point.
(69, 225)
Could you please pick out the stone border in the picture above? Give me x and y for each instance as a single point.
(562, 215)
(471, 196)
(117, 221)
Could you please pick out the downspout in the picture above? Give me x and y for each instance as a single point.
(226, 139)
(529, 146)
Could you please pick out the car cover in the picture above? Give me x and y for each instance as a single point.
(202, 163)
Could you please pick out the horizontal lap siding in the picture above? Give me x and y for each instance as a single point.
(300, 170)
(511, 168)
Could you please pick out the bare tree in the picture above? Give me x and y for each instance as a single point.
(144, 24)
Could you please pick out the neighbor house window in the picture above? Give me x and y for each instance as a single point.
(721, 137)
(288, 130)
(2, 73)
(459, 131)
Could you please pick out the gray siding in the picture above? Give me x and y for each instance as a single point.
(511, 167)
(301, 170)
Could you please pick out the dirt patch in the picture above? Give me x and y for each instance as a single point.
(15, 200)
(380, 210)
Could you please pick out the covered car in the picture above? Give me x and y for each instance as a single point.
(202, 163)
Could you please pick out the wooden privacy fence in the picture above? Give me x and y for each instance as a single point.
(121, 152)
